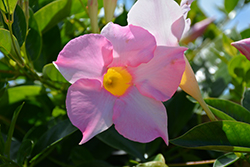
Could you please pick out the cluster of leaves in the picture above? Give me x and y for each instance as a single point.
(34, 127)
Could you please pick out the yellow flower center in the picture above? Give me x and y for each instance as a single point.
(117, 80)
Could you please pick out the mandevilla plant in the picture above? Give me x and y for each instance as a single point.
(107, 83)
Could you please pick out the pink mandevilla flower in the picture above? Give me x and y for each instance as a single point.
(243, 46)
(121, 76)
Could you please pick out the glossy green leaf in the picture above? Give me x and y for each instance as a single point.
(52, 73)
(225, 160)
(56, 11)
(24, 151)
(50, 138)
(233, 110)
(246, 100)
(229, 136)
(115, 140)
(11, 130)
(220, 114)
(20, 93)
(33, 42)
(176, 123)
(19, 26)
(8, 6)
(245, 34)
(6, 45)
(230, 5)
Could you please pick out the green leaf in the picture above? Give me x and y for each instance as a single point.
(225, 160)
(1, 142)
(52, 73)
(20, 93)
(234, 110)
(232, 51)
(158, 161)
(52, 13)
(245, 34)
(33, 42)
(6, 45)
(50, 138)
(19, 26)
(246, 99)
(24, 151)
(11, 130)
(220, 114)
(112, 138)
(229, 136)
(8, 6)
(230, 5)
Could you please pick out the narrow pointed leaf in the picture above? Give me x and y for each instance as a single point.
(229, 136)
(24, 151)
(233, 110)
(11, 130)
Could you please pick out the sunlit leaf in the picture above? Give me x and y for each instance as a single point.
(51, 72)
(8, 6)
(230, 5)
(229, 136)
(225, 160)
(6, 45)
(16, 94)
(228, 47)
(233, 110)
(56, 11)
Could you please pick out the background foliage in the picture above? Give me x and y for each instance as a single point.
(34, 127)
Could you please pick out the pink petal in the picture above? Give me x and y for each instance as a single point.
(160, 78)
(243, 46)
(90, 107)
(185, 6)
(132, 45)
(140, 118)
(86, 56)
(163, 18)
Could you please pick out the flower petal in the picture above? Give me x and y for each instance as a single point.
(90, 107)
(243, 46)
(160, 78)
(132, 45)
(86, 56)
(185, 6)
(140, 118)
(163, 18)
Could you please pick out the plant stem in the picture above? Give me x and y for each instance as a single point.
(193, 163)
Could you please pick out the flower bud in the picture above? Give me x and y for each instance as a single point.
(93, 15)
(109, 9)
(196, 30)
(190, 85)
(243, 46)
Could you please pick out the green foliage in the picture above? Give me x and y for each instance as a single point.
(34, 126)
